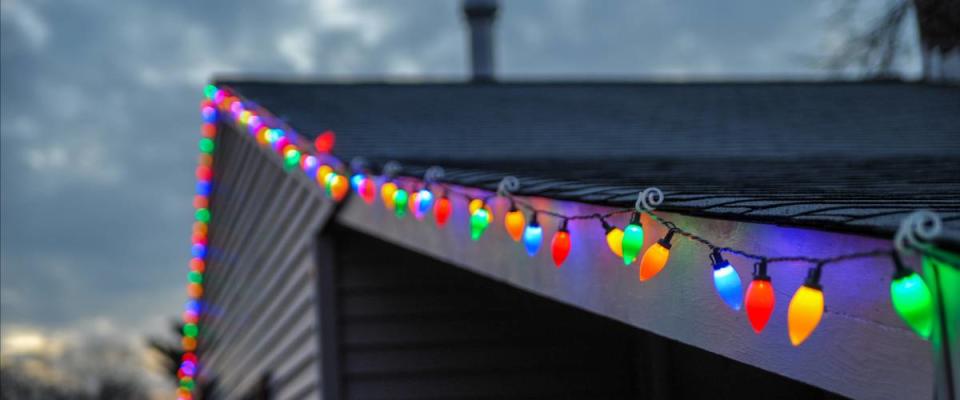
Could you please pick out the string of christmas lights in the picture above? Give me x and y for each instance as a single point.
(403, 195)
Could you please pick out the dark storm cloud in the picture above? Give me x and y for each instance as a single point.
(99, 109)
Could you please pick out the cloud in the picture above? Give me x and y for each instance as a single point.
(26, 21)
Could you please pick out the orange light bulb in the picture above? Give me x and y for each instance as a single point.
(806, 308)
(655, 258)
(515, 223)
(386, 193)
(338, 187)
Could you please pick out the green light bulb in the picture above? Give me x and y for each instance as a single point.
(478, 223)
(195, 277)
(190, 330)
(206, 145)
(912, 300)
(291, 159)
(400, 199)
(202, 215)
(632, 239)
(210, 91)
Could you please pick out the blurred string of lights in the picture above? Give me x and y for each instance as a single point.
(406, 195)
(188, 368)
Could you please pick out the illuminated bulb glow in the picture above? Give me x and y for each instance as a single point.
(614, 238)
(655, 258)
(441, 211)
(337, 186)
(806, 308)
(355, 182)
(632, 239)
(912, 300)
(323, 175)
(560, 245)
(309, 165)
(424, 203)
(387, 191)
(325, 141)
(760, 299)
(367, 190)
(532, 236)
(400, 199)
(515, 224)
(479, 221)
(727, 282)
(476, 204)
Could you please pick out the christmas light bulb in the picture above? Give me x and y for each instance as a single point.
(911, 299)
(655, 258)
(323, 175)
(424, 203)
(806, 308)
(727, 282)
(309, 165)
(400, 200)
(210, 91)
(632, 239)
(515, 223)
(533, 236)
(291, 157)
(387, 191)
(337, 186)
(206, 145)
(325, 141)
(355, 180)
(614, 238)
(412, 201)
(476, 204)
(479, 221)
(367, 190)
(760, 299)
(560, 245)
(441, 211)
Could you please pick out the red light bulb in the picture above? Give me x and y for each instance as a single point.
(760, 299)
(441, 211)
(560, 244)
(367, 190)
(324, 143)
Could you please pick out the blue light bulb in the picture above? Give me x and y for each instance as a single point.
(355, 181)
(199, 250)
(424, 201)
(203, 188)
(727, 281)
(533, 236)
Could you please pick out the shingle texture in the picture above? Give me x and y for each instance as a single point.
(838, 156)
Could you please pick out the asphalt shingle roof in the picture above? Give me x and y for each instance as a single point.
(832, 155)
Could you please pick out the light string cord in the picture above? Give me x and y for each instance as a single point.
(646, 203)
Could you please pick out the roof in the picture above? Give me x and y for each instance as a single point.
(849, 156)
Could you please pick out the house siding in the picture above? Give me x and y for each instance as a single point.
(259, 332)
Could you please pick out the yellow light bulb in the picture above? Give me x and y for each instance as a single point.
(615, 241)
(806, 308)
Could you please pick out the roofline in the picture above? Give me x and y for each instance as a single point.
(400, 81)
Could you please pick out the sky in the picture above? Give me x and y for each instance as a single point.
(99, 112)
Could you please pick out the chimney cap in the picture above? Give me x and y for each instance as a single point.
(480, 8)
